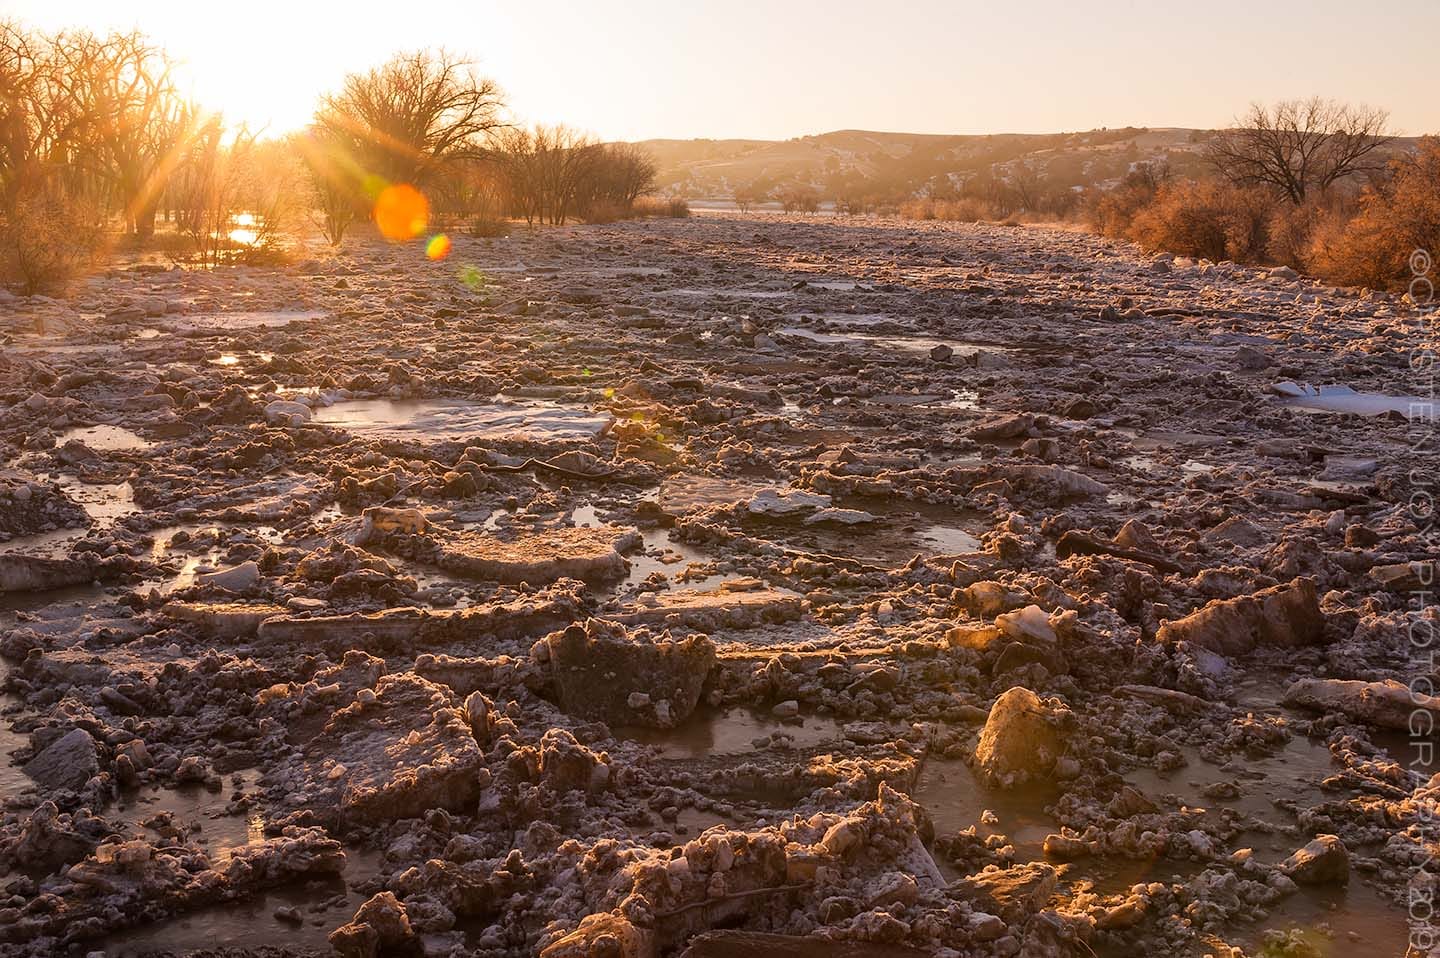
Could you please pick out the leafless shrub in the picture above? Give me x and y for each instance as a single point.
(407, 119)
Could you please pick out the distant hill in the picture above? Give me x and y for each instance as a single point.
(899, 166)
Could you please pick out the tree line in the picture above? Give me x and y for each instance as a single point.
(98, 146)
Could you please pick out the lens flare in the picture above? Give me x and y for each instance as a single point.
(401, 212)
(472, 277)
(438, 247)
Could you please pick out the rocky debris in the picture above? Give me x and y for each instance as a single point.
(1014, 894)
(1323, 861)
(380, 927)
(1023, 737)
(602, 671)
(69, 762)
(1389, 704)
(1283, 616)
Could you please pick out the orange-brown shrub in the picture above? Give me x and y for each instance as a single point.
(1206, 218)
(47, 239)
(1397, 217)
(962, 209)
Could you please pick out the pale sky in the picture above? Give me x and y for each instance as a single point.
(773, 70)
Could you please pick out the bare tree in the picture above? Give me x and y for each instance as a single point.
(406, 119)
(131, 119)
(1301, 147)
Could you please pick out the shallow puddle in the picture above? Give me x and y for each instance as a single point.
(105, 438)
(1337, 920)
(200, 810)
(907, 344)
(249, 319)
(713, 732)
(956, 799)
(1294, 770)
(429, 420)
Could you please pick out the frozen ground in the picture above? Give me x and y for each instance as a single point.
(725, 585)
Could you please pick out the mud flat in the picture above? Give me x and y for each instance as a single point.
(808, 585)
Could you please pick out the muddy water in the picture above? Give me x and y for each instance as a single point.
(1295, 769)
(900, 531)
(956, 799)
(429, 420)
(323, 903)
(12, 780)
(907, 344)
(250, 319)
(736, 731)
(1337, 920)
(105, 438)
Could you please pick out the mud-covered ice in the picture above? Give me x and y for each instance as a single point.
(771, 583)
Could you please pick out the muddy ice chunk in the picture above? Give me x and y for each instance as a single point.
(1003, 427)
(27, 573)
(1282, 616)
(786, 502)
(526, 617)
(382, 520)
(380, 926)
(230, 620)
(50, 838)
(606, 935)
(1055, 481)
(597, 667)
(1023, 737)
(1389, 704)
(1013, 893)
(284, 412)
(1237, 530)
(589, 553)
(1323, 861)
(711, 609)
(566, 765)
(68, 762)
(401, 750)
(240, 578)
(1406, 577)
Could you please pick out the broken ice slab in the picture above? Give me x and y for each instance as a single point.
(711, 609)
(1343, 399)
(590, 553)
(530, 616)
